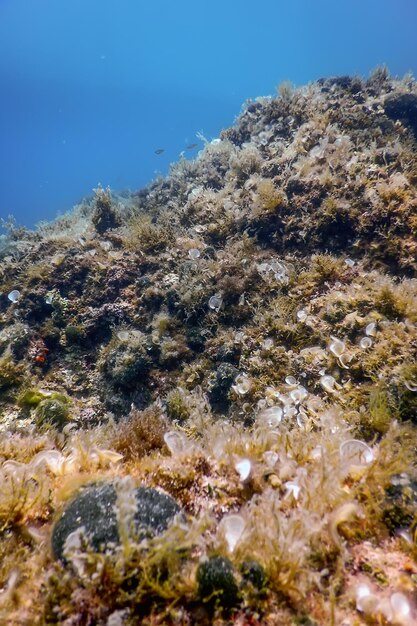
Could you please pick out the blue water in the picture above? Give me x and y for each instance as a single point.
(91, 88)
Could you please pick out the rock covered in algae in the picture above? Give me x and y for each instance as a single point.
(94, 509)
(217, 583)
(254, 574)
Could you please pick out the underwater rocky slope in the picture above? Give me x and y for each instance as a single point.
(208, 388)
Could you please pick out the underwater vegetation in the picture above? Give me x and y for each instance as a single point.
(208, 387)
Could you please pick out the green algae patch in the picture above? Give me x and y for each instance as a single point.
(31, 398)
(11, 374)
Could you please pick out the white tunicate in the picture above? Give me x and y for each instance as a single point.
(13, 468)
(337, 347)
(105, 457)
(123, 335)
(411, 385)
(106, 245)
(362, 591)
(349, 262)
(367, 604)
(356, 452)
(49, 298)
(243, 468)
(290, 411)
(344, 360)
(14, 295)
(242, 385)
(215, 302)
(53, 459)
(316, 453)
(176, 442)
(365, 343)
(298, 394)
(271, 458)
(301, 315)
(400, 605)
(370, 330)
(328, 383)
(233, 527)
(194, 253)
(271, 417)
(302, 418)
(268, 343)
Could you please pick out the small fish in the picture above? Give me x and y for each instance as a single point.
(192, 146)
(160, 151)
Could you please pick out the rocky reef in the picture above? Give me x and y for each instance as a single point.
(208, 388)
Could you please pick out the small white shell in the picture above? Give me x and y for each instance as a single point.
(293, 488)
(14, 295)
(301, 315)
(243, 468)
(194, 253)
(290, 380)
(215, 302)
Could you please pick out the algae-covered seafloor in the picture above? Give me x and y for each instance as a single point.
(208, 388)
